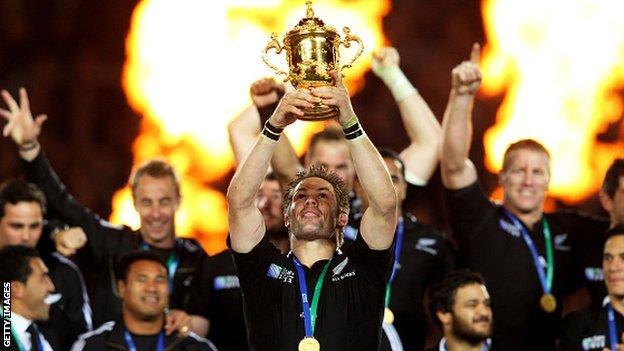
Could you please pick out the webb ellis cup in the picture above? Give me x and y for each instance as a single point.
(312, 51)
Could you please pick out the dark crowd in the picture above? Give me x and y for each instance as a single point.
(321, 254)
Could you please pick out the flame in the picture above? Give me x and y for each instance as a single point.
(561, 65)
(189, 67)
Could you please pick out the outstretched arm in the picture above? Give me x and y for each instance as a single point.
(247, 226)
(422, 127)
(457, 169)
(379, 219)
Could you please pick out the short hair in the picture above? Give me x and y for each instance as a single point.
(611, 180)
(524, 144)
(330, 134)
(320, 171)
(614, 231)
(393, 155)
(123, 267)
(15, 263)
(156, 168)
(14, 191)
(442, 296)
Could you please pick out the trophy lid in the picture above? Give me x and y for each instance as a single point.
(310, 23)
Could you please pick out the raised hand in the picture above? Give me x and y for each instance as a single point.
(177, 320)
(21, 126)
(466, 77)
(68, 241)
(384, 58)
(291, 106)
(336, 95)
(264, 92)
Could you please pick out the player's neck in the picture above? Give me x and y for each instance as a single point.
(308, 252)
(456, 344)
(139, 326)
(618, 303)
(528, 218)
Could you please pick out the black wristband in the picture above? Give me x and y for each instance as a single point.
(354, 134)
(271, 131)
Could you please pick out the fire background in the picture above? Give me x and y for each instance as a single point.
(78, 59)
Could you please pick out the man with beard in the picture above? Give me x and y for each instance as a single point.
(143, 285)
(22, 210)
(156, 195)
(22, 267)
(344, 306)
(601, 326)
(461, 306)
(515, 240)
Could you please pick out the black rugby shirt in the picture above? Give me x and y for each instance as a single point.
(350, 307)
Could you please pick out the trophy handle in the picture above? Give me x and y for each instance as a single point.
(273, 44)
(347, 44)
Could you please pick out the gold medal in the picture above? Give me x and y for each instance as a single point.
(309, 344)
(548, 303)
(388, 316)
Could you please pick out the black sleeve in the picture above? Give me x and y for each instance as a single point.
(448, 256)
(572, 332)
(102, 236)
(376, 264)
(77, 307)
(468, 209)
(251, 266)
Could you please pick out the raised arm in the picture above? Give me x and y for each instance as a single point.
(25, 130)
(422, 155)
(379, 220)
(247, 226)
(457, 169)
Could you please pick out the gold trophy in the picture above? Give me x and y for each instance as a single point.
(312, 50)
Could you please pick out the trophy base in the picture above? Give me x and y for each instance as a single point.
(319, 112)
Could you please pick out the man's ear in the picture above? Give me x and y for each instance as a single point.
(121, 288)
(18, 289)
(605, 201)
(501, 178)
(445, 318)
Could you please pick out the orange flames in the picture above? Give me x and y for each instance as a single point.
(189, 67)
(561, 64)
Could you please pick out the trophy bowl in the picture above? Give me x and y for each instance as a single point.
(312, 51)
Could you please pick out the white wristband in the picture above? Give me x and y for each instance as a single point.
(396, 81)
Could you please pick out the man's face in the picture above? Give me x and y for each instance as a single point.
(37, 288)
(400, 185)
(613, 265)
(313, 212)
(21, 224)
(472, 315)
(335, 156)
(145, 293)
(156, 201)
(269, 201)
(525, 181)
(615, 205)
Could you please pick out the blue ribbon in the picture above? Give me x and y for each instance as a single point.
(303, 290)
(529, 242)
(612, 332)
(397, 248)
(160, 344)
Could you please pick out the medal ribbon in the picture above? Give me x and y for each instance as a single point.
(545, 278)
(309, 313)
(612, 332)
(397, 254)
(160, 344)
(173, 261)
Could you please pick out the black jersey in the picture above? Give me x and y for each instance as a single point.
(500, 254)
(350, 307)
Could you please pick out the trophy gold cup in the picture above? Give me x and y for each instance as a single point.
(312, 51)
